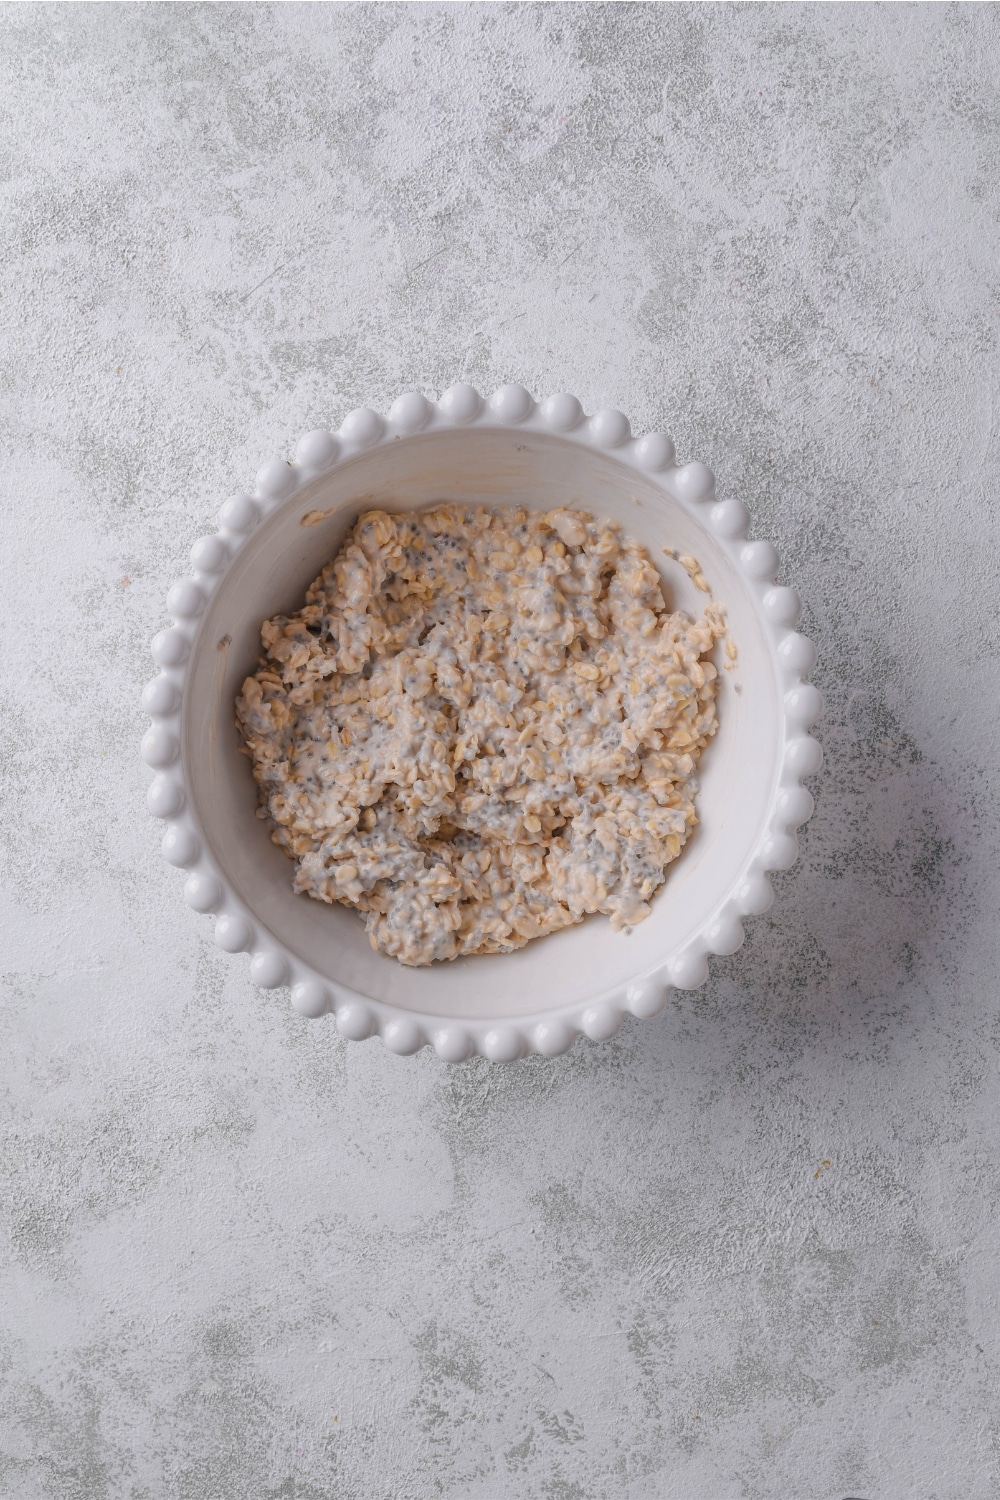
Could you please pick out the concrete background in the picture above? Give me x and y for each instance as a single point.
(749, 1249)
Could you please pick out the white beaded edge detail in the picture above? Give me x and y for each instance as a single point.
(357, 1017)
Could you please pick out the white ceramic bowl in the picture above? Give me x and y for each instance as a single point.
(508, 450)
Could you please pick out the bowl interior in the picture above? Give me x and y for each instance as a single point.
(496, 467)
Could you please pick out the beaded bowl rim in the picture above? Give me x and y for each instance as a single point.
(272, 963)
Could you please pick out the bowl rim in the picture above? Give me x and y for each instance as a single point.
(549, 1033)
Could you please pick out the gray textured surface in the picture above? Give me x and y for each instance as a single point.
(749, 1249)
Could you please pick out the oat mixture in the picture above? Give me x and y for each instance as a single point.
(482, 726)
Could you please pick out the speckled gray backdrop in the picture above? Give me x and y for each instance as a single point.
(749, 1249)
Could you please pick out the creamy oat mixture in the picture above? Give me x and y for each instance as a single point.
(482, 726)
